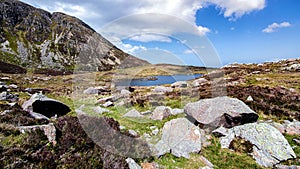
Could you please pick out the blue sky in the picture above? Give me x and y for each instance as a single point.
(193, 32)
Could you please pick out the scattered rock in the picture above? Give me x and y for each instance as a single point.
(161, 112)
(292, 128)
(122, 127)
(108, 104)
(293, 67)
(100, 110)
(180, 137)
(249, 99)
(146, 112)
(133, 113)
(6, 96)
(125, 93)
(90, 90)
(287, 167)
(13, 86)
(49, 130)
(38, 116)
(39, 103)
(132, 164)
(269, 145)
(177, 111)
(162, 89)
(180, 84)
(220, 111)
(199, 82)
(133, 133)
(155, 131)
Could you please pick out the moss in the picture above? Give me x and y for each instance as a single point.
(9, 58)
(12, 39)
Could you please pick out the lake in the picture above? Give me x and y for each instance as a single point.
(160, 80)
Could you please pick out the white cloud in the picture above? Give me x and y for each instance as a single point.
(188, 51)
(128, 48)
(275, 26)
(203, 30)
(150, 38)
(234, 9)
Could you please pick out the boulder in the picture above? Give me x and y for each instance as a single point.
(220, 111)
(199, 82)
(133, 133)
(161, 112)
(125, 93)
(269, 145)
(180, 84)
(133, 113)
(108, 104)
(132, 164)
(39, 103)
(96, 90)
(179, 137)
(162, 89)
(292, 128)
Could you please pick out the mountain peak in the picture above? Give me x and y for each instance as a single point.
(34, 38)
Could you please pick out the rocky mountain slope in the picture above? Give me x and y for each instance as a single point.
(36, 39)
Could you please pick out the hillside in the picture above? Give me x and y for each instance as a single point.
(36, 39)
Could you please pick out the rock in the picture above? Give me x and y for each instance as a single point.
(249, 99)
(162, 89)
(90, 90)
(292, 128)
(122, 127)
(177, 111)
(125, 93)
(112, 98)
(13, 86)
(199, 82)
(38, 116)
(180, 84)
(133, 113)
(6, 96)
(146, 112)
(49, 130)
(100, 110)
(220, 111)
(269, 145)
(278, 126)
(133, 133)
(108, 104)
(132, 164)
(39, 103)
(180, 137)
(155, 131)
(161, 112)
(287, 167)
(293, 67)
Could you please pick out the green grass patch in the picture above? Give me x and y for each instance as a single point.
(224, 158)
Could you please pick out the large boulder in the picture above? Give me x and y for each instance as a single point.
(180, 137)
(220, 111)
(39, 103)
(269, 145)
(161, 112)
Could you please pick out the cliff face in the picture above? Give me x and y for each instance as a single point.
(34, 38)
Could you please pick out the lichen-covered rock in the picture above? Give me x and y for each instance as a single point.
(161, 112)
(220, 111)
(269, 145)
(179, 137)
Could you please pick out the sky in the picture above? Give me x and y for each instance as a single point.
(192, 32)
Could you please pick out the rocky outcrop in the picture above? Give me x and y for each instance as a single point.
(220, 111)
(37, 39)
(269, 147)
(179, 137)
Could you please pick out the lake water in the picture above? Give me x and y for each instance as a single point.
(161, 80)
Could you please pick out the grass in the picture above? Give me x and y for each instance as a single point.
(296, 149)
(225, 158)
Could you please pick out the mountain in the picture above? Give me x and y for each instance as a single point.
(36, 39)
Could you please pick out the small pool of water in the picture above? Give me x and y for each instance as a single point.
(161, 80)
